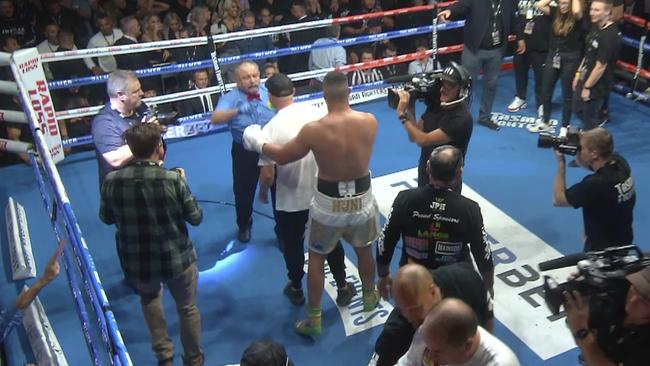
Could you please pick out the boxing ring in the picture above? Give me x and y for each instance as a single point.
(98, 324)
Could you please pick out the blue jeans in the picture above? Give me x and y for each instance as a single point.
(490, 62)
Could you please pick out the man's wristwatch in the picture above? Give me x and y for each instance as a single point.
(581, 333)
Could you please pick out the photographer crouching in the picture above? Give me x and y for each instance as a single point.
(446, 121)
(624, 338)
(607, 196)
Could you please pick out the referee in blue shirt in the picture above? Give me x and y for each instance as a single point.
(241, 107)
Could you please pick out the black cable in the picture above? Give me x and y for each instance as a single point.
(224, 203)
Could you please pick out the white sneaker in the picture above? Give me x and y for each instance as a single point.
(540, 111)
(539, 127)
(517, 104)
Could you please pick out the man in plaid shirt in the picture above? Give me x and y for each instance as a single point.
(149, 206)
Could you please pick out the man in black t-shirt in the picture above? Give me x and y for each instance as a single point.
(416, 293)
(446, 121)
(595, 76)
(607, 196)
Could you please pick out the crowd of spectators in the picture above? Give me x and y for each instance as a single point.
(58, 25)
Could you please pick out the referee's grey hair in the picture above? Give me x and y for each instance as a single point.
(118, 81)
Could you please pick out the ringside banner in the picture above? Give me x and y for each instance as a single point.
(30, 72)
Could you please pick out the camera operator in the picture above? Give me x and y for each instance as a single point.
(607, 196)
(624, 338)
(124, 110)
(149, 206)
(445, 121)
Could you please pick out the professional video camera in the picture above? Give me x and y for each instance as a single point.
(601, 274)
(425, 86)
(567, 142)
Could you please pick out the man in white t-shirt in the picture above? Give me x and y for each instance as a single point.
(451, 336)
(106, 37)
(294, 188)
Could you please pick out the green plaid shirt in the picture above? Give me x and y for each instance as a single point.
(149, 206)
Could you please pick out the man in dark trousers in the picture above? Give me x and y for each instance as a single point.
(487, 26)
(246, 105)
(149, 205)
(595, 76)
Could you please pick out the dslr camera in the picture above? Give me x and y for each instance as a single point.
(567, 142)
(601, 275)
(425, 87)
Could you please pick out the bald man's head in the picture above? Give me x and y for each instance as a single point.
(415, 292)
(450, 330)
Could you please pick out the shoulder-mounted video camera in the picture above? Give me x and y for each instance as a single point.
(426, 86)
(567, 142)
(601, 274)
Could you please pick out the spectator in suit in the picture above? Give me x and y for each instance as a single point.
(200, 104)
(390, 50)
(131, 32)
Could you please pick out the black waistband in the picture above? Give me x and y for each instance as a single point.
(342, 189)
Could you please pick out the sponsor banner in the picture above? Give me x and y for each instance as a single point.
(193, 128)
(203, 126)
(520, 121)
(355, 97)
(519, 302)
(30, 71)
(355, 320)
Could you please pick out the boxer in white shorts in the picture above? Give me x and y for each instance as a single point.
(342, 143)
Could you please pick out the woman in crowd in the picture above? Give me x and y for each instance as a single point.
(172, 26)
(563, 59)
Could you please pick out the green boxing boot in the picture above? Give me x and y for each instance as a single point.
(370, 299)
(312, 325)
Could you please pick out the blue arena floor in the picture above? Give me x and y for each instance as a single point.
(240, 286)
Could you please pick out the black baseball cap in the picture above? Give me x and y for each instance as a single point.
(279, 85)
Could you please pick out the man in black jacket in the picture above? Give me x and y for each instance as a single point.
(202, 103)
(485, 40)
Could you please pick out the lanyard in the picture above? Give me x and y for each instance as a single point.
(112, 42)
